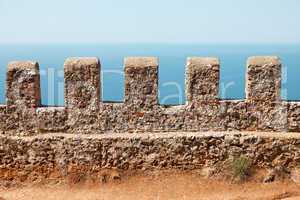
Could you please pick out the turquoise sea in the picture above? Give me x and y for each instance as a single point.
(172, 59)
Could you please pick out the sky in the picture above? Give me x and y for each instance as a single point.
(149, 21)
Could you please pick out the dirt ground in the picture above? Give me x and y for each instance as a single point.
(159, 186)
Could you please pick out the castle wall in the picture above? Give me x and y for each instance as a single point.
(51, 119)
(23, 96)
(84, 111)
(3, 117)
(57, 155)
(202, 79)
(293, 119)
(82, 93)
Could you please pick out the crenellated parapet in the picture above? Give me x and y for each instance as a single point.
(82, 93)
(85, 112)
(202, 79)
(141, 82)
(23, 95)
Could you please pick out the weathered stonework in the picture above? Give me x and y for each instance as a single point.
(263, 97)
(84, 112)
(23, 95)
(202, 79)
(270, 116)
(3, 117)
(51, 119)
(236, 116)
(294, 116)
(88, 134)
(82, 93)
(60, 153)
(263, 80)
(141, 82)
(205, 115)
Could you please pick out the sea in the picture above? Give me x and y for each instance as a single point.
(172, 61)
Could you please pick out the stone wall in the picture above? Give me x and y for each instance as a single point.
(84, 112)
(58, 154)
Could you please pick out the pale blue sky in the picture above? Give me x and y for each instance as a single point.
(137, 21)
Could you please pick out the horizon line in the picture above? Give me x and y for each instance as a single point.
(151, 43)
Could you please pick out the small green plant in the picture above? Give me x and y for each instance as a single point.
(240, 167)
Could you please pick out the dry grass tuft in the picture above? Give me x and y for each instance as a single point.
(240, 168)
(76, 178)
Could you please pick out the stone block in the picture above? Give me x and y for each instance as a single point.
(204, 116)
(23, 84)
(112, 117)
(51, 119)
(3, 117)
(82, 93)
(270, 116)
(294, 116)
(23, 95)
(141, 82)
(263, 79)
(235, 115)
(202, 79)
(172, 118)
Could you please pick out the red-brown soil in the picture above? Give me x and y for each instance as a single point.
(155, 186)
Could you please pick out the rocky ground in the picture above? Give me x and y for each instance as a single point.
(156, 185)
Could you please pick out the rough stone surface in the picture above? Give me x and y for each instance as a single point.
(236, 115)
(141, 82)
(88, 134)
(51, 119)
(60, 152)
(84, 112)
(270, 116)
(23, 84)
(202, 79)
(82, 93)
(3, 117)
(263, 79)
(23, 95)
(294, 116)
